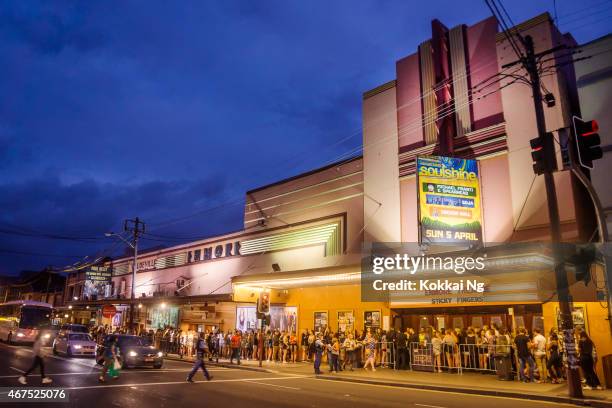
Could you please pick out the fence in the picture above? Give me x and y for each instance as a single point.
(460, 357)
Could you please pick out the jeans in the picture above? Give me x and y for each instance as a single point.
(236, 355)
(334, 362)
(38, 361)
(199, 363)
(528, 360)
(317, 362)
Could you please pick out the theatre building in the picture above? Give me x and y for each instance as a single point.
(304, 237)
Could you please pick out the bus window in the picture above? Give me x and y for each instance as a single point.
(34, 317)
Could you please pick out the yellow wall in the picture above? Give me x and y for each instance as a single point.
(598, 327)
(332, 299)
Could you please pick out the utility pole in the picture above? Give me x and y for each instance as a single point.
(573, 376)
(136, 227)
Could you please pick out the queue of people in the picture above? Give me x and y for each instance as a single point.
(534, 356)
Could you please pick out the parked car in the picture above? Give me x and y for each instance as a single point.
(133, 351)
(74, 344)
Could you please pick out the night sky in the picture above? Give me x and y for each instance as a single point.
(171, 110)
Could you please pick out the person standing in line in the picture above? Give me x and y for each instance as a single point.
(235, 341)
(349, 349)
(554, 365)
(37, 362)
(318, 354)
(335, 354)
(304, 345)
(436, 346)
(370, 351)
(539, 351)
(201, 348)
(401, 351)
(588, 359)
(293, 347)
(383, 349)
(521, 341)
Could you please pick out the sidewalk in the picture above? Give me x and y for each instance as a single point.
(467, 383)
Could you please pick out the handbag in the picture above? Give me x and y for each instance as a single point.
(117, 365)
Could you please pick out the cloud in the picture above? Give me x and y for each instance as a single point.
(88, 209)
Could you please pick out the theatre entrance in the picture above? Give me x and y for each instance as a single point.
(439, 318)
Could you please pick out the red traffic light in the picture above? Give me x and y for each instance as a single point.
(588, 142)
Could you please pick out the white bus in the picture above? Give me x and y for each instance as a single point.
(21, 320)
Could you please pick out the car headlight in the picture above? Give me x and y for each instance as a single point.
(77, 346)
(20, 334)
(160, 354)
(132, 354)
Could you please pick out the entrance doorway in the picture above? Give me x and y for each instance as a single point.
(528, 316)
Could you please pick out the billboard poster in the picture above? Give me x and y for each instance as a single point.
(162, 317)
(283, 318)
(97, 278)
(448, 200)
(246, 318)
(346, 321)
(371, 319)
(320, 321)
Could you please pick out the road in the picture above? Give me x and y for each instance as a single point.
(167, 387)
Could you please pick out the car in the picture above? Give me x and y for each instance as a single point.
(75, 344)
(73, 328)
(133, 351)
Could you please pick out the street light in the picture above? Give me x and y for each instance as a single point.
(134, 246)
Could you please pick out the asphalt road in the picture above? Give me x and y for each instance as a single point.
(229, 388)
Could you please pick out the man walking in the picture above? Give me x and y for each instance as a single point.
(37, 362)
(201, 347)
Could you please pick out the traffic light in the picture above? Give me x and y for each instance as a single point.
(263, 305)
(543, 154)
(588, 142)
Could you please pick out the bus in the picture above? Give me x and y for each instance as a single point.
(21, 320)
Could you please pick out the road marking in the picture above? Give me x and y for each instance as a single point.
(274, 385)
(97, 373)
(413, 387)
(430, 406)
(178, 382)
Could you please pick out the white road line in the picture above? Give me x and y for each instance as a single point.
(274, 385)
(178, 382)
(430, 406)
(97, 373)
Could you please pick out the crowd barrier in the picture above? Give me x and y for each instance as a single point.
(460, 357)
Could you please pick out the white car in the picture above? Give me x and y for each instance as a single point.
(74, 344)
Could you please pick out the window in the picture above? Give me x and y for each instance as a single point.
(196, 254)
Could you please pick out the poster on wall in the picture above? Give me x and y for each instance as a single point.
(97, 282)
(477, 322)
(578, 318)
(162, 317)
(371, 319)
(246, 318)
(458, 322)
(448, 200)
(346, 321)
(320, 321)
(283, 318)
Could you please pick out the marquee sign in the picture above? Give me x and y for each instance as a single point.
(448, 200)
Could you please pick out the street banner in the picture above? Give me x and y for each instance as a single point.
(448, 200)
